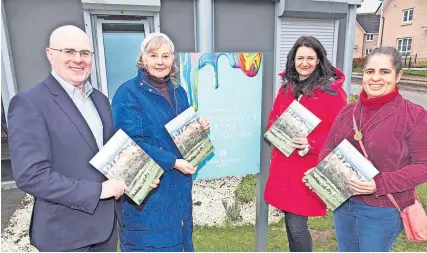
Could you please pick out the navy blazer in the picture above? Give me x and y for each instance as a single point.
(50, 148)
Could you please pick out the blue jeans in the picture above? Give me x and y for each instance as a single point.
(176, 248)
(361, 227)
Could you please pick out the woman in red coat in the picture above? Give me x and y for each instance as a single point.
(311, 79)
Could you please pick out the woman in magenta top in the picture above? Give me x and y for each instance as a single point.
(394, 134)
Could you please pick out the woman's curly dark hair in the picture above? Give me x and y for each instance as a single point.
(321, 74)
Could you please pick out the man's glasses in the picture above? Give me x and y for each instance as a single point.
(71, 53)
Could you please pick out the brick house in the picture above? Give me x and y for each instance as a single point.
(366, 34)
(404, 26)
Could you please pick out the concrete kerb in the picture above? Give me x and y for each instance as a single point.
(422, 79)
(408, 83)
(8, 185)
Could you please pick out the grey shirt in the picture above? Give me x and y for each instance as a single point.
(85, 106)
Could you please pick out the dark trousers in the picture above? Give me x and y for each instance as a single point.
(298, 235)
(109, 245)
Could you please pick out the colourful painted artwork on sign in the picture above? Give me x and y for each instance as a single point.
(227, 88)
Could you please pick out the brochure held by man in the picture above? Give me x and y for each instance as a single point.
(121, 158)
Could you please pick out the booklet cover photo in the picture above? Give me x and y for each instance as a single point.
(189, 136)
(295, 122)
(330, 179)
(121, 158)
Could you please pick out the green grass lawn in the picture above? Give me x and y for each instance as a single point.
(405, 72)
(415, 72)
(357, 70)
(242, 238)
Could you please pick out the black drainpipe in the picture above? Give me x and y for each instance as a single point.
(382, 33)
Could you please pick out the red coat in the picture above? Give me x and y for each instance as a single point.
(285, 189)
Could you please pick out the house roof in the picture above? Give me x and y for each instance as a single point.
(369, 22)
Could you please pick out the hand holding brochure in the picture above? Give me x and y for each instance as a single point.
(295, 122)
(330, 179)
(189, 136)
(121, 158)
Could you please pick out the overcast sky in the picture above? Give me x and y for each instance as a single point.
(368, 6)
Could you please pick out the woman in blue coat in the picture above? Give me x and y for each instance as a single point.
(141, 107)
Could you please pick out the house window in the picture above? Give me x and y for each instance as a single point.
(367, 51)
(369, 37)
(408, 15)
(404, 46)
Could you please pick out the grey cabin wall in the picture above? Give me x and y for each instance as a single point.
(30, 24)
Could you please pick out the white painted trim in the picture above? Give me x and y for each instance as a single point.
(8, 185)
(403, 16)
(407, 39)
(358, 2)
(213, 26)
(123, 21)
(279, 8)
(335, 48)
(93, 27)
(367, 34)
(89, 32)
(122, 13)
(196, 44)
(7, 59)
(9, 87)
(103, 87)
(382, 8)
(156, 22)
(147, 29)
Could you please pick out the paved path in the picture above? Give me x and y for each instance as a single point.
(10, 200)
(407, 82)
(404, 77)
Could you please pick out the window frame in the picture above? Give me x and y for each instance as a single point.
(367, 51)
(406, 52)
(102, 70)
(90, 18)
(369, 35)
(407, 12)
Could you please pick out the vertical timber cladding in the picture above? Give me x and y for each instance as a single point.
(292, 28)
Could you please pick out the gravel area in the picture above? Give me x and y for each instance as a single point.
(208, 209)
(14, 237)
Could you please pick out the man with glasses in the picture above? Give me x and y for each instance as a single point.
(55, 128)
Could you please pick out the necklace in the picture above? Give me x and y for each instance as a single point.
(358, 132)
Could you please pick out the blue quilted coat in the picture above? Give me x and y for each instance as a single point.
(164, 221)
